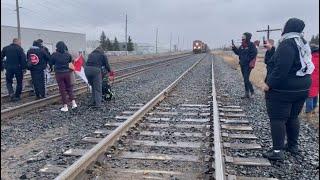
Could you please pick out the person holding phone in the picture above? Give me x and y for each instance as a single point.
(247, 52)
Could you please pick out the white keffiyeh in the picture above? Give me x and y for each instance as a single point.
(307, 66)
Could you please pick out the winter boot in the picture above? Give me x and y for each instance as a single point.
(292, 149)
(274, 155)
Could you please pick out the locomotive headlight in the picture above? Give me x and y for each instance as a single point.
(197, 44)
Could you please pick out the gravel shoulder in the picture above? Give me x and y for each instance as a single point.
(229, 81)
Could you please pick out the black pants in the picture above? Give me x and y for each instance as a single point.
(93, 75)
(38, 81)
(246, 70)
(10, 74)
(283, 109)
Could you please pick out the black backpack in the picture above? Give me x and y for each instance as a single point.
(107, 93)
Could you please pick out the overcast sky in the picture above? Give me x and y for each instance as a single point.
(215, 22)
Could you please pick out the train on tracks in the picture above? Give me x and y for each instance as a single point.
(199, 47)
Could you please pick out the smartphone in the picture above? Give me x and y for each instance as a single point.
(232, 42)
(264, 40)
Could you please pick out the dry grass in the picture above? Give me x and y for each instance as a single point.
(257, 77)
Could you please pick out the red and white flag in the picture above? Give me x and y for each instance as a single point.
(78, 68)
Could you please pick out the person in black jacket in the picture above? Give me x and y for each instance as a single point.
(61, 60)
(287, 88)
(15, 65)
(269, 53)
(38, 60)
(96, 61)
(246, 52)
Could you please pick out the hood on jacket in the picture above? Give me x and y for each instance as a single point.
(61, 47)
(293, 25)
(248, 36)
(34, 47)
(36, 44)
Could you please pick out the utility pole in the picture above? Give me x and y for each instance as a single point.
(178, 44)
(157, 41)
(268, 31)
(18, 20)
(182, 43)
(126, 33)
(170, 41)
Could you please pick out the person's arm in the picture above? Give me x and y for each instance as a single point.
(285, 55)
(23, 59)
(3, 54)
(252, 52)
(235, 50)
(105, 63)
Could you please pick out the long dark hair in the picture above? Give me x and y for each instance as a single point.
(61, 47)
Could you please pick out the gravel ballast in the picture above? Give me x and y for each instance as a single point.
(47, 132)
(229, 81)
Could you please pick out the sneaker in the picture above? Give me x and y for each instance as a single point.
(74, 105)
(64, 109)
(272, 155)
(292, 149)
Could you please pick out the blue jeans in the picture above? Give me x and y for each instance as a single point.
(311, 103)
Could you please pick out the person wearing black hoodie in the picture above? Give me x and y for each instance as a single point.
(37, 61)
(269, 45)
(286, 88)
(61, 60)
(246, 52)
(96, 61)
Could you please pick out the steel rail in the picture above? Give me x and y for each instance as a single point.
(10, 112)
(218, 155)
(28, 75)
(88, 158)
(25, 93)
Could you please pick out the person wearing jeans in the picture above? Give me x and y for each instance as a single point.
(61, 61)
(96, 61)
(312, 100)
(246, 52)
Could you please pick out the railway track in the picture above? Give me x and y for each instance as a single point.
(119, 71)
(167, 138)
(27, 77)
(82, 88)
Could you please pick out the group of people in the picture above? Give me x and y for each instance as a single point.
(38, 59)
(292, 79)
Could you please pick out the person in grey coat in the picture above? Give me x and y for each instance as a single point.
(96, 61)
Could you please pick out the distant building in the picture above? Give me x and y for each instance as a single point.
(76, 42)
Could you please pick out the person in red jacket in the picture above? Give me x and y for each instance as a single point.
(312, 100)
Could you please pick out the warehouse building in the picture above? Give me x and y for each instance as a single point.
(76, 42)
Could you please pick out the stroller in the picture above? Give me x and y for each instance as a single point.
(107, 93)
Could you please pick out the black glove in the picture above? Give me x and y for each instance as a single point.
(24, 71)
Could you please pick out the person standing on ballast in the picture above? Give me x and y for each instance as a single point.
(247, 52)
(96, 61)
(287, 87)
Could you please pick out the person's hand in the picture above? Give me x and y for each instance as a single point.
(71, 66)
(265, 87)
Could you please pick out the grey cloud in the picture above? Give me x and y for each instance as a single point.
(214, 21)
